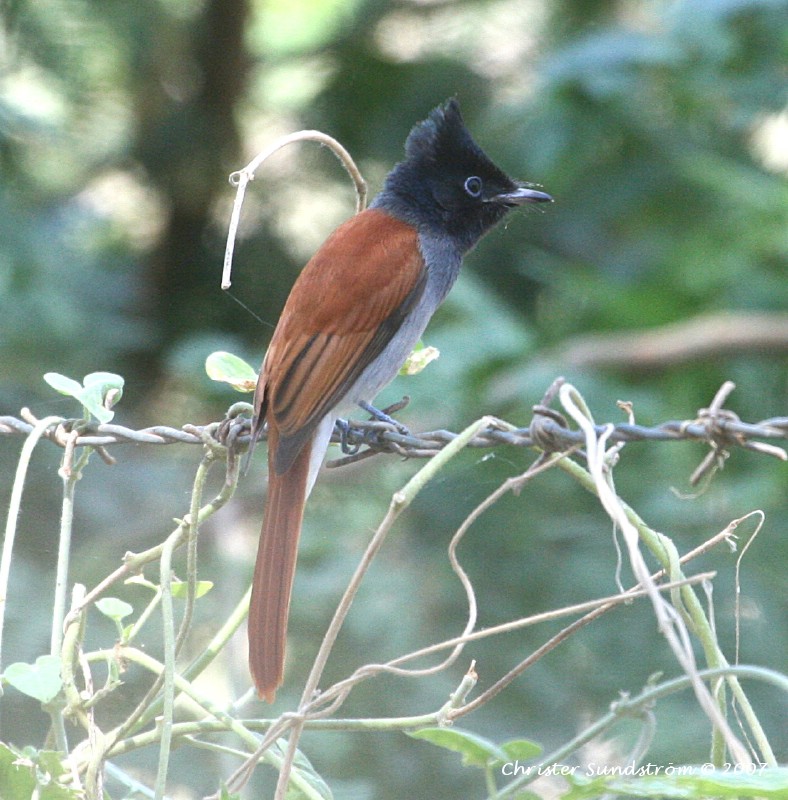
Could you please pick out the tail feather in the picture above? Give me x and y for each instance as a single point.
(275, 568)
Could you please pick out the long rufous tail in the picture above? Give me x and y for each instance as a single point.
(275, 568)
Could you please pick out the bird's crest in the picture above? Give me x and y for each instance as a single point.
(442, 140)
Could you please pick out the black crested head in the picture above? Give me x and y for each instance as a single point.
(447, 185)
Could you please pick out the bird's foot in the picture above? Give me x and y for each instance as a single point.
(343, 426)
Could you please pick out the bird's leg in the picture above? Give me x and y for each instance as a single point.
(382, 416)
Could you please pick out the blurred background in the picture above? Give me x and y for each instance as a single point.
(661, 129)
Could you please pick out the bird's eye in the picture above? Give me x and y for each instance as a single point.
(473, 186)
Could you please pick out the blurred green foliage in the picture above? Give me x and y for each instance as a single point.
(661, 130)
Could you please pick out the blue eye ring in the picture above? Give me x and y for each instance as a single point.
(473, 186)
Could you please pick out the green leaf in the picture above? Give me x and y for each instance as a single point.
(40, 680)
(114, 608)
(60, 383)
(104, 387)
(106, 379)
(51, 761)
(180, 589)
(228, 368)
(55, 791)
(16, 776)
(141, 580)
(418, 359)
(521, 750)
(476, 751)
(684, 781)
(307, 773)
(101, 391)
(318, 787)
(25, 774)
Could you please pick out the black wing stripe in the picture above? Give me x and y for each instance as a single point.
(290, 444)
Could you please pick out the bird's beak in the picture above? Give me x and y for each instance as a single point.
(520, 196)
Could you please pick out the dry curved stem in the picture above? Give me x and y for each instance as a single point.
(594, 608)
(336, 694)
(134, 562)
(736, 705)
(14, 506)
(315, 707)
(737, 608)
(399, 502)
(327, 702)
(100, 744)
(669, 619)
(604, 606)
(241, 178)
(339, 691)
(509, 485)
(486, 432)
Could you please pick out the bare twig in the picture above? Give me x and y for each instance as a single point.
(670, 621)
(705, 336)
(241, 178)
(717, 428)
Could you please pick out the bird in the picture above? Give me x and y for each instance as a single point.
(353, 315)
